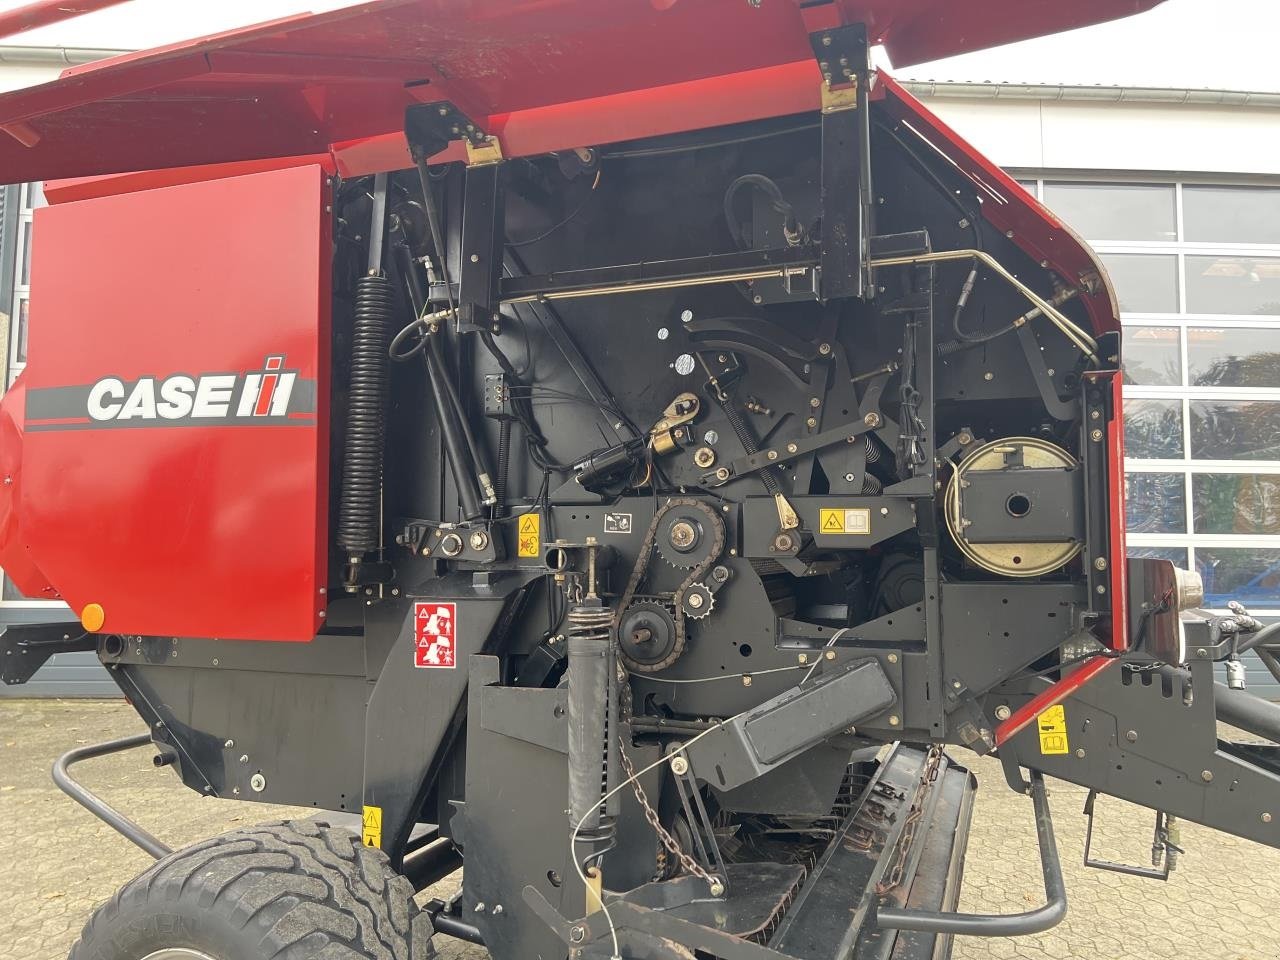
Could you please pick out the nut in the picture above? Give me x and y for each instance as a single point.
(695, 600)
(1080, 753)
(872, 419)
(258, 782)
(679, 766)
(893, 720)
(772, 454)
(682, 534)
(451, 545)
(704, 457)
(1003, 712)
(803, 658)
(783, 542)
(1266, 818)
(746, 679)
(1131, 736)
(722, 474)
(1100, 563)
(717, 887)
(1206, 776)
(479, 540)
(824, 348)
(831, 654)
(892, 658)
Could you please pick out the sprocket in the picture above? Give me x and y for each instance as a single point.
(647, 637)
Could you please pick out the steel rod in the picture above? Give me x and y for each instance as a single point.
(95, 804)
(999, 925)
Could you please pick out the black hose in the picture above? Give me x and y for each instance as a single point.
(790, 226)
(359, 506)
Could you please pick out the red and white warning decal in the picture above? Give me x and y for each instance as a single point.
(435, 627)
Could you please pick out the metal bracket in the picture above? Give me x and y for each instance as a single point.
(430, 127)
(700, 827)
(1163, 849)
(25, 647)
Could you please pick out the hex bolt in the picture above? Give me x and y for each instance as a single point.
(892, 658)
(695, 600)
(772, 454)
(872, 419)
(716, 887)
(1003, 712)
(811, 422)
(792, 448)
(1266, 818)
(815, 402)
(1100, 563)
(479, 540)
(1095, 435)
(475, 258)
(831, 654)
(988, 376)
(884, 511)
(497, 909)
(679, 766)
(893, 720)
(258, 782)
(577, 934)
(848, 478)
(824, 348)
(1206, 776)
(803, 658)
(1080, 753)
(1202, 652)
(1131, 736)
(244, 758)
(229, 744)
(479, 907)
(746, 679)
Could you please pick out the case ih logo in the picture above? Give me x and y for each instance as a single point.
(272, 396)
(207, 397)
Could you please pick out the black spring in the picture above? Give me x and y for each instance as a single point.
(366, 410)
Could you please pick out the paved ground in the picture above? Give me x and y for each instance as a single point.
(57, 862)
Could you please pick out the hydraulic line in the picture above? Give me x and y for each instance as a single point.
(359, 508)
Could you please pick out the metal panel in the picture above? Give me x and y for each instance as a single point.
(68, 675)
(203, 514)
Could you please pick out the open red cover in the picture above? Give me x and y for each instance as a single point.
(294, 87)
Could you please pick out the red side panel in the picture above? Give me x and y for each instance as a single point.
(173, 464)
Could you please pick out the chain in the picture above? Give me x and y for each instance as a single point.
(905, 839)
(670, 843)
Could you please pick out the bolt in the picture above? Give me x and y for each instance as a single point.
(479, 540)
(1095, 415)
(215, 661)
(757, 299)
(815, 402)
(988, 376)
(395, 591)
(1202, 652)
(679, 766)
(884, 511)
(746, 679)
(792, 448)
(258, 782)
(804, 658)
(831, 654)
(783, 542)
(229, 744)
(704, 457)
(479, 907)
(824, 348)
(826, 40)
(848, 478)
(1080, 753)
(892, 658)
(244, 758)
(772, 454)
(686, 316)
(497, 909)
(1266, 818)
(1100, 563)
(1100, 588)
(1003, 712)
(893, 720)
(577, 934)
(1131, 736)
(475, 258)
(695, 600)
(682, 534)
(717, 887)
(1095, 435)
(957, 684)
(1206, 776)
(872, 419)
(235, 791)
(663, 333)
(811, 422)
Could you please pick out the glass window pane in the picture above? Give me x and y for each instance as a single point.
(1115, 211)
(1239, 573)
(1144, 282)
(1245, 285)
(1153, 429)
(1233, 357)
(1246, 503)
(1235, 430)
(1155, 502)
(24, 275)
(1178, 555)
(20, 355)
(1152, 356)
(1231, 214)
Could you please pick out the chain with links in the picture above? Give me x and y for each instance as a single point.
(669, 843)
(641, 567)
(915, 814)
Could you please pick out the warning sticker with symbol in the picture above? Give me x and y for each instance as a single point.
(856, 520)
(435, 627)
(529, 535)
(371, 827)
(1052, 725)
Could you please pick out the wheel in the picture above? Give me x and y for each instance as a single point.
(285, 891)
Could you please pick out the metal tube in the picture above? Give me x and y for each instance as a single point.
(996, 925)
(451, 926)
(431, 862)
(1073, 333)
(95, 804)
(1242, 709)
(42, 13)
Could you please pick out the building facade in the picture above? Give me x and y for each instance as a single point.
(1179, 193)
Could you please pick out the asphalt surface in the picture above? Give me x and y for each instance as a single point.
(57, 863)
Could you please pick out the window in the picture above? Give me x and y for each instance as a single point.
(1196, 271)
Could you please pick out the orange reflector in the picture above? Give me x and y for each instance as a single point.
(92, 617)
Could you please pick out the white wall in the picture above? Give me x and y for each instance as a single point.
(14, 76)
(1050, 134)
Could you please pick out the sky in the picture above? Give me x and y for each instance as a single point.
(1217, 44)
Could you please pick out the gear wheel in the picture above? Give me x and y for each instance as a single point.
(698, 602)
(690, 534)
(647, 637)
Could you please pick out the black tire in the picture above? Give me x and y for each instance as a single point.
(279, 891)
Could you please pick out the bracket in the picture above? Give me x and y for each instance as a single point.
(430, 127)
(1163, 849)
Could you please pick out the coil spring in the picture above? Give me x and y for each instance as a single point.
(366, 405)
(595, 625)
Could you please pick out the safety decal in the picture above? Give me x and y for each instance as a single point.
(1052, 725)
(435, 628)
(529, 535)
(856, 520)
(371, 829)
(617, 523)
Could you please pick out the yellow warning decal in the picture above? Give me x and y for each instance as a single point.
(371, 831)
(856, 520)
(1052, 725)
(529, 535)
